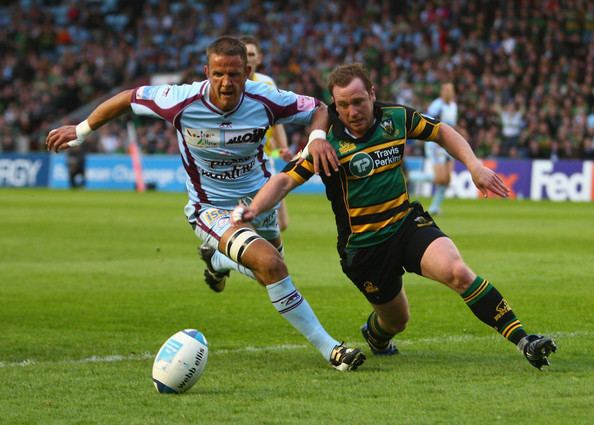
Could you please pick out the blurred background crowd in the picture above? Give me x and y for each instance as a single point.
(523, 70)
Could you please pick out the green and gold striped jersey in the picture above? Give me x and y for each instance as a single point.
(368, 194)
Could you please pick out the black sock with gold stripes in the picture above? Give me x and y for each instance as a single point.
(491, 308)
(375, 334)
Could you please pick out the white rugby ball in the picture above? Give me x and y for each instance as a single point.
(180, 362)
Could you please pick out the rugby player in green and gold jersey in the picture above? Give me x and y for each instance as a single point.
(380, 233)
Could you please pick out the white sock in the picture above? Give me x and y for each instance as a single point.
(222, 263)
(296, 310)
(438, 198)
(420, 177)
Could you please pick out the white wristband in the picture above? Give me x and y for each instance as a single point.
(83, 129)
(316, 134)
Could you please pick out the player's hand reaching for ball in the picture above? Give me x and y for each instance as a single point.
(58, 138)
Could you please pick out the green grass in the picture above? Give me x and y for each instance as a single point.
(92, 283)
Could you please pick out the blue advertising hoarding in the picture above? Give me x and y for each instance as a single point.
(24, 170)
(528, 179)
(115, 172)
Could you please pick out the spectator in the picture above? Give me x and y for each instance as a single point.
(56, 56)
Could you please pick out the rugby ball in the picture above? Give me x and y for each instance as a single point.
(180, 362)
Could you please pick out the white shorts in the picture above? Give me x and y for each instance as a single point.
(212, 223)
(436, 154)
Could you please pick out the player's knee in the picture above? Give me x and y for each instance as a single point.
(266, 262)
(401, 324)
(272, 263)
(460, 276)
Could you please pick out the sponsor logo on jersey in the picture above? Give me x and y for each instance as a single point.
(387, 156)
(236, 171)
(202, 137)
(227, 161)
(345, 146)
(388, 126)
(305, 103)
(146, 93)
(361, 164)
(236, 137)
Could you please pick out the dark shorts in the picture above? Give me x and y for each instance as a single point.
(377, 270)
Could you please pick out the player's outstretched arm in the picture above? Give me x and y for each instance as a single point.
(483, 177)
(318, 148)
(267, 197)
(73, 135)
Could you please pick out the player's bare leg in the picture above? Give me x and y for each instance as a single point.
(443, 262)
(386, 321)
(283, 216)
(246, 247)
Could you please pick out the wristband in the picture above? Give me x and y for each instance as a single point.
(316, 134)
(83, 129)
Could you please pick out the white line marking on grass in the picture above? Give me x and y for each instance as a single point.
(146, 356)
(283, 347)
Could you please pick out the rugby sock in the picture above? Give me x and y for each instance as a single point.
(222, 263)
(491, 308)
(438, 198)
(296, 310)
(379, 337)
(420, 177)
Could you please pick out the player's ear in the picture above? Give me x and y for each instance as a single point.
(372, 93)
(206, 71)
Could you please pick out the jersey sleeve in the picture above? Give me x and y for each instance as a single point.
(299, 172)
(420, 126)
(285, 107)
(164, 101)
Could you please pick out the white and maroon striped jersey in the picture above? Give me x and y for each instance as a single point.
(222, 152)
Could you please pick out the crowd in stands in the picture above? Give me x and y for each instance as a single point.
(523, 70)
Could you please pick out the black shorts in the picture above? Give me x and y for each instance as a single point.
(377, 270)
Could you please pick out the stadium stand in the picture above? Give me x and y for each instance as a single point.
(523, 70)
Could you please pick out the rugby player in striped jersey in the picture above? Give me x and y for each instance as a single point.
(221, 123)
(380, 233)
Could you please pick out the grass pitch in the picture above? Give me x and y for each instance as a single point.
(92, 283)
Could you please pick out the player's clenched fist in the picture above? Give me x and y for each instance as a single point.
(242, 214)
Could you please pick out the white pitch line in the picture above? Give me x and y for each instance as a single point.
(283, 347)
